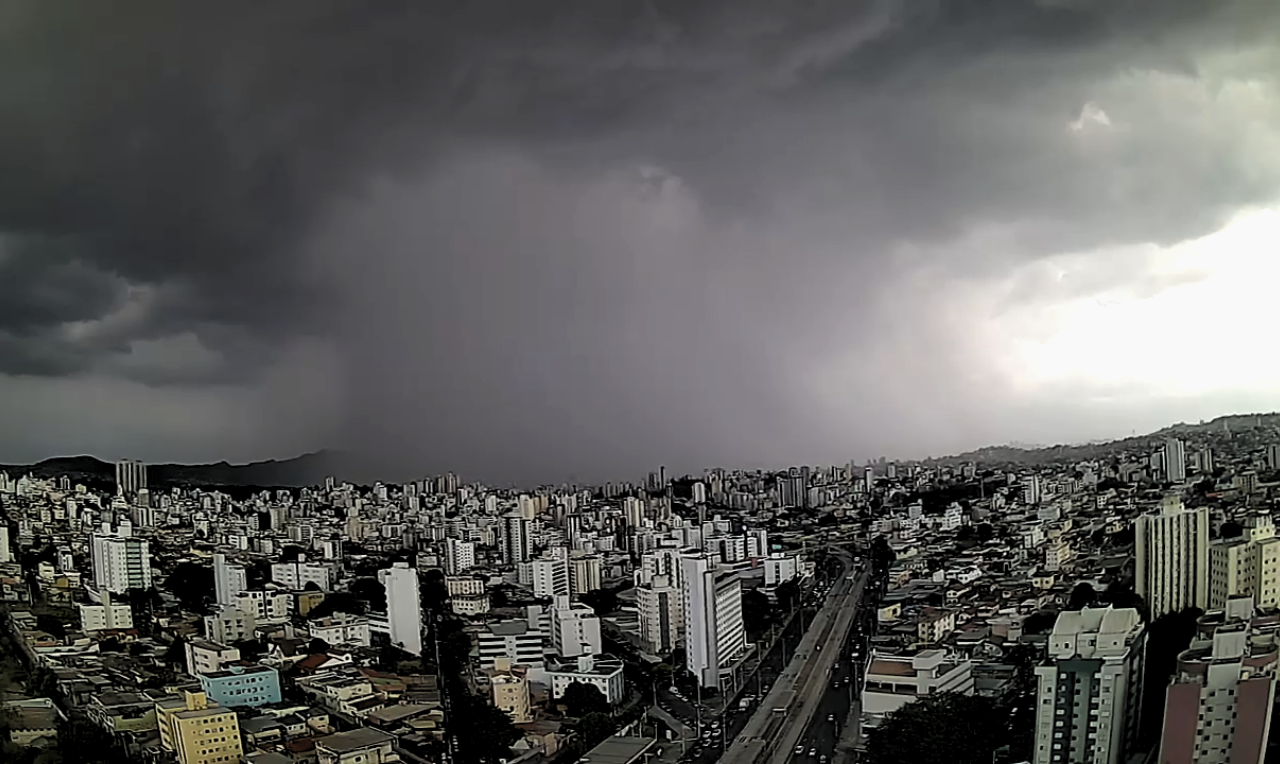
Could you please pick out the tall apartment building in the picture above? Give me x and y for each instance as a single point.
(1218, 708)
(575, 629)
(296, 575)
(131, 477)
(1172, 571)
(1175, 461)
(584, 573)
(120, 561)
(661, 608)
(549, 575)
(663, 561)
(198, 731)
(1247, 566)
(714, 633)
(1089, 691)
(404, 606)
(229, 580)
(459, 556)
(515, 542)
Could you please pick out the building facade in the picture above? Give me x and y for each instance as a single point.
(1218, 707)
(1172, 572)
(1089, 692)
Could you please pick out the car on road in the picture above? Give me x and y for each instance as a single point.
(831, 717)
(799, 750)
(813, 751)
(823, 759)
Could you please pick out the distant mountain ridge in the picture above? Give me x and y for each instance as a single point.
(1014, 454)
(300, 471)
(312, 468)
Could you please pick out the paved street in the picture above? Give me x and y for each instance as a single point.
(721, 727)
(840, 697)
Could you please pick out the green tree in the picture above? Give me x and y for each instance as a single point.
(788, 594)
(435, 594)
(1167, 636)
(1039, 622)
(337, 602)
(1082, 596)
(485, 734)
(757, 612)
(581, 699)
(192, 584)
(882, 555)
(82, 742)
(603, 601)
(591, 731)
(371, 592)
(947, 728)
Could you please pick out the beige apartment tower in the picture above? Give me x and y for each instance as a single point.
(1248, 566)
(1172, 571)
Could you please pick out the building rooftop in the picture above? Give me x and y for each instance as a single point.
(363, 737)
(618, 750)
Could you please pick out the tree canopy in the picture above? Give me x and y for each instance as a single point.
(1082, 596)
(757, 611)
(603, 601)
(485, 734)
(947, 728)
(192, 584)
(581, 699)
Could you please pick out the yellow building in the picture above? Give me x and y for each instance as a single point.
(1248, 566)
(511, 692)
(198, 730)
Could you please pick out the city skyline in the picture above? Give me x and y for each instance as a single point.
(335, 460)
(628, 234)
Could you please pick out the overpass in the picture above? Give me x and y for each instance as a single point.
(787, 710)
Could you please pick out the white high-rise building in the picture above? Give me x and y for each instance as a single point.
(1031, 493)
(714, 633)
(229, 580)
(661, 609)
(584, 573)
(633, 512)
(459, 556)
(1172, 571)
(5, 554)
(663, 561)
(780, 567)
(549, 575)
(1175, 461)
(404, 606)
(106, 616)
(120, 561)
(1248, 566)
(131, 477)
(515, 539)
(575, 629)
(1218, 708)
(1089, 693)
(296, 575)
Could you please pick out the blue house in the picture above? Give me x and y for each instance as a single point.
(242, 686)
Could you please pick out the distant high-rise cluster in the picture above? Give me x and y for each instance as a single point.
(131, 477)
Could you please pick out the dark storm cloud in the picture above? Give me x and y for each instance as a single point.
(451, 194)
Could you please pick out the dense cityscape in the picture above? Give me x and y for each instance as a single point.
(1113, 603)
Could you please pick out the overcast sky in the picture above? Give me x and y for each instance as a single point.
(584, 238)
